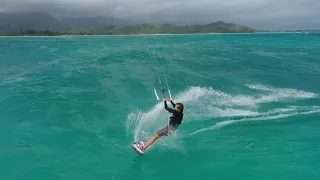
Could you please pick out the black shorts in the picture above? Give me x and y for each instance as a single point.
(166, 130)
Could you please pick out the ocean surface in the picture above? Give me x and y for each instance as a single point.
(71, 106)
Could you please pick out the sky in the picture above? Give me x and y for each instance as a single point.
(258, 14)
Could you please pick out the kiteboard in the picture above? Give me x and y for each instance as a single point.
(137, 146)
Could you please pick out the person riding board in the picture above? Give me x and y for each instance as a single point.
(175, 121)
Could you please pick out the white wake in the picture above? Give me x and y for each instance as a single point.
(265, 116)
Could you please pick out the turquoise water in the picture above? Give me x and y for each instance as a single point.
(70, 107)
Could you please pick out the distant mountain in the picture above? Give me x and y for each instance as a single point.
(15, 22)
(215, 27)
(45, 24)
(221, 27)
(93, 22)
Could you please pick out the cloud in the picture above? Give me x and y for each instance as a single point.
(264, 14)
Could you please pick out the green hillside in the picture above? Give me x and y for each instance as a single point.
(216, 27)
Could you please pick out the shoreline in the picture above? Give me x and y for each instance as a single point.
(140, 34)
(257, 32)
